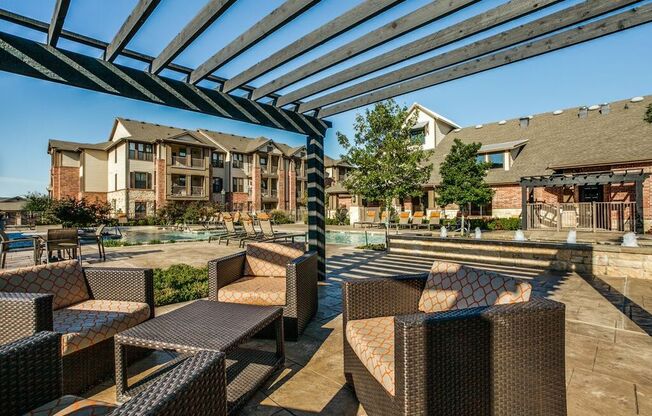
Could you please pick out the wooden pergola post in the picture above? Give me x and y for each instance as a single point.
(639, 224)
(316, 206)
(523, 207)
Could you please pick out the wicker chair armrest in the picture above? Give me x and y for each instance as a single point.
(197, 386)
(370, 298)
(479, 360)
(24, 314)
(224, 271)
(30, 372)
(301, 275)
(130, 285)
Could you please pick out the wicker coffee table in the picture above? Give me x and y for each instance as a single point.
(213, 326)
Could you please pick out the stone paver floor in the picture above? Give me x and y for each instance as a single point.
(608, 327)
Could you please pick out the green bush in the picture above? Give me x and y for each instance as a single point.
(280, 217)
(73, 212)
(375, 247)
(495, 224)
(180, 283)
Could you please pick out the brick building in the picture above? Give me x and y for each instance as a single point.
(143, 166)
(610, 138)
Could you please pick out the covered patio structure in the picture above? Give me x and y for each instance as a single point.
(582, 202)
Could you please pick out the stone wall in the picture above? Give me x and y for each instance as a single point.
(585, 259)
(94, 196)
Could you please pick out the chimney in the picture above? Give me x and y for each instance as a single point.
(605, 108)
(524, 122)
(584, 112)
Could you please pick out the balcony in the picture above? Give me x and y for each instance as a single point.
(269, 170)
(180, 161)
(178, 190)
(270, 195)
(197, 162)
(188, 162)
(197, 191)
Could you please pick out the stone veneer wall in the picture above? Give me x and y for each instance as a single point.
(592, 259)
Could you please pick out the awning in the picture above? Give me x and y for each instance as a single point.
(501, 147)
(420, 125)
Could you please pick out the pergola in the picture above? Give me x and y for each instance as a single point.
(303, 109)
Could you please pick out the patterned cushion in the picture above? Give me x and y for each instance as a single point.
(93, 321)
(72, 405)
(453, 286)
(254, 290)
(271, 259)
(64, 279)
(373, 342)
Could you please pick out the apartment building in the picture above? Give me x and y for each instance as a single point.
(143, 166)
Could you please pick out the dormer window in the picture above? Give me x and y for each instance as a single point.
(418, 133)
(497, 159)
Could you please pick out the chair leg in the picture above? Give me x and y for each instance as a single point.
(3, 259)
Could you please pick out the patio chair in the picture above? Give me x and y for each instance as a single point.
(403, 220)
(65, 242)
(30, 374)
(98, 237)
(250, 233)
(86, 306)
(434, 220)
(278, 274)
(5, 246)
(269, 233)
(231, 232)
(457, 341)
(417, 220)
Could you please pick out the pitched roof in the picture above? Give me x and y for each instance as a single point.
(75, 146)
(329, 162)
(231, 142)
(148, 132)
(562, 139)
(432, 114)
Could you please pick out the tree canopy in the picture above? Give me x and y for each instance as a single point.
(387, 162)
(462, 177)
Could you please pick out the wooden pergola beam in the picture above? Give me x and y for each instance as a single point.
(56, 23)
(502, 14)
(131, 25)
(385, 83)
(583, 179)
(411, 21)
(206, 16)
(357, 15)
(26, 57)
(279, 17)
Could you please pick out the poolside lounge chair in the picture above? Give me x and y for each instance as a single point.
(270, 234)
(420, 345)
(417, 220)
(231, 232)
(250, 233)
(434, 220)
(403, 220)
(196, 386)
(371, 218)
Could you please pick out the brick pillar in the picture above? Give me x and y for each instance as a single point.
(407, 204)
(161, 183)
(282, 177)
(256, 196)
(65, 182)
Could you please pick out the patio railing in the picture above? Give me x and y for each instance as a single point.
(178, 190)
(585, 216)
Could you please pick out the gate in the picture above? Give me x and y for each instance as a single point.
(583, 216)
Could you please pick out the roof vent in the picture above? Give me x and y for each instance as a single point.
(557, 112)
(501, 122)
(584, 112)
(457, 130)
(270, 148)
(479, 126)
(637, 99)
(594, 107)
(524, 122)
(605, 108)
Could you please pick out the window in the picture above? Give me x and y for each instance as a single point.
(140, 180)
(217, 160)
(418, 136)
(263, 161)
(140, 209)
(481, 158)
(497, 160)
(237, 160)
(238, 185)
(217, 185)
(115, 181)
(141, 151)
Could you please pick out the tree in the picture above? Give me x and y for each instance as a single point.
(37, 202)
(462, 178)
(388, 163)
(648, 114)
(73, 212)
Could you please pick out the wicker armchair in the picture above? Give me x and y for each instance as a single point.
(491, 360)
(96, 303)
(293, 287)
(30, 381)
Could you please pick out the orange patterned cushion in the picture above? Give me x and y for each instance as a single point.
(373, 342)
(72, 405)
(254, 290)
(64, 279)
(271, 259)
(453, 286)
(93, 321)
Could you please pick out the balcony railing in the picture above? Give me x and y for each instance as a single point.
(197, 162)
(197, 191)
(180, 161)
(267, 193)
(178, 190)
(273, 169)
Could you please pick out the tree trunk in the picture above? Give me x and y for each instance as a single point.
(462, 229)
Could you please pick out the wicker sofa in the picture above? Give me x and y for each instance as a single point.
(30, 383)
(499, 359)
(278, 274)
(87, 306)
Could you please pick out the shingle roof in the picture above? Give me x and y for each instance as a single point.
(562, 140)
(148, 132)
(329, 162)
(231, 142)
(75, 146)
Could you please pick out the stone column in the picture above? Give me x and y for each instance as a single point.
(282, 177)
(292, 187)
(256, 196)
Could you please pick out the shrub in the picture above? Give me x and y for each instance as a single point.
(180, 283)
(375, 247)
(495, 224)
(73, 212)
(280, 217)
(155, 241)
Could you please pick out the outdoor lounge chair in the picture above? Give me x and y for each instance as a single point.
(434, 220)
(31, 380)
(417, 220)
(420, 345)
(403, 220)
(278, 274)
(231, 232)
(270, 234)
(86, 306)
(250, 233)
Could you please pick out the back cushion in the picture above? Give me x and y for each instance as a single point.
(270, 259)
(64, 279)
(453, 286)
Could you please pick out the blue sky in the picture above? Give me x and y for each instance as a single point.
(33, 111)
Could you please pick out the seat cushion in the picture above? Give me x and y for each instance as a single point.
(92, 321)
(72, 405)
(64, 279)
(271, 259)
(254, 290)
(373, 342)
(453, 286)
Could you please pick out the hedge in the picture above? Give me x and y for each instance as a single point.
(180, 283)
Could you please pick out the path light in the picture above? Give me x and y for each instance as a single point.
(629, 240)
(572, 237)
(478, 233)
(519, 236)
